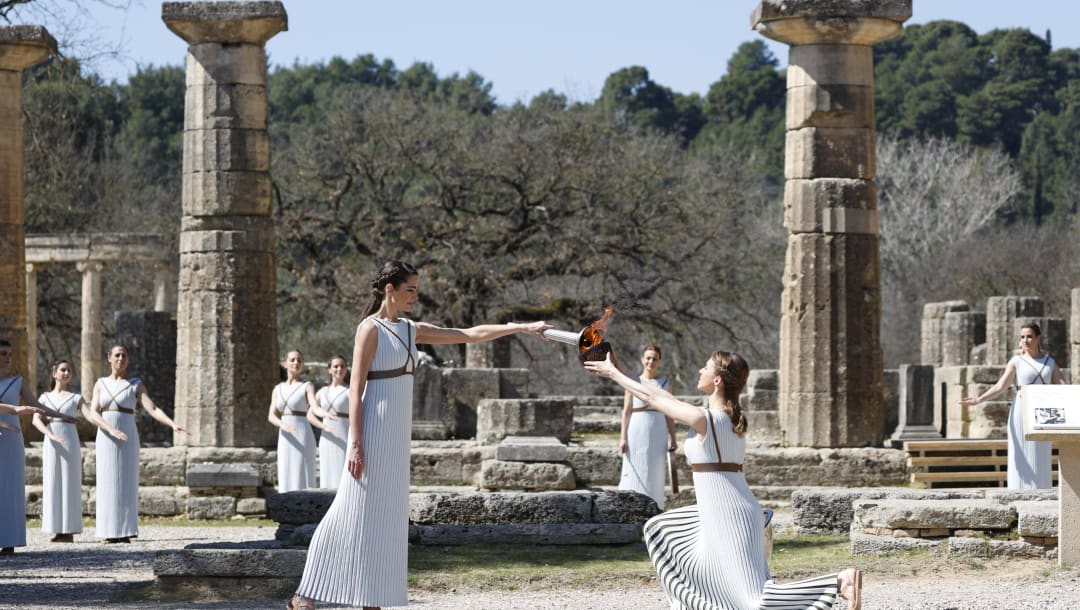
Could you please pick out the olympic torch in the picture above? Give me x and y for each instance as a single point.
(589, 340)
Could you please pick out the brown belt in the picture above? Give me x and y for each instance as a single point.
(390, 374)
(296, 413)
(120, 409)
(343, 415)
(52, 420)
(716, 467)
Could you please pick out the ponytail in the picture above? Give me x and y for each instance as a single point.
(733, 371)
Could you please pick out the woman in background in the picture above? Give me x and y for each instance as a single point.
(289, 407)
(61, 458)
(333, 408)
(647, 436)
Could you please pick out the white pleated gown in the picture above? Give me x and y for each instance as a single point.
(1029, 461)
(117, 477)
(332, 447)
(295, 450)
(12, 470)
(359, 552)
(711, 556)
(61, 469)
(645, 463)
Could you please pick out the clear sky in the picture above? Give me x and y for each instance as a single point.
(525, 47)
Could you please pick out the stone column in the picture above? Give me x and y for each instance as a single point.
(226, 353)
(21, 46)
(932, 330)
(1074, 337)
(831, 372)
(164, 288)
(31, 325)
(91, 352)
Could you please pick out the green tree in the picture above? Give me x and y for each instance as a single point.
(630, 95)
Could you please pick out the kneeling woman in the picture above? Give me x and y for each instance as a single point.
(712, 554)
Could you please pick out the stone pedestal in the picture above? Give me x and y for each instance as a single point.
(916, 404)
(21, 46)
(831, 389)
(226, 321)
(499, 418)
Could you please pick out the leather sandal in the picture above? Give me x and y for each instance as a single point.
(854, 587)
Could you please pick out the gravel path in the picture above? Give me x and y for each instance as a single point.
(87, 574)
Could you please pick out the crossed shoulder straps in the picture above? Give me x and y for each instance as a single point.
(409, 367)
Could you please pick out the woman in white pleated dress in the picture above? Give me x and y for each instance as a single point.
(333, 401)
(13, 393)
(644, 439)
(1029, 463)
(711, 556)
(289, 405)
(116, 447)
(359, 553)
(61, 459)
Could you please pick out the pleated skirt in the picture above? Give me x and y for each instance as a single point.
(359, 552)
(117, 478)
(332, 452)
(645, 465)
(296, 455)
(711, 556)
(61, 481)
(12, 485)
(1029, 461)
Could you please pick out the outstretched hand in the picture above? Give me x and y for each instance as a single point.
(602, 368)
(535, 328)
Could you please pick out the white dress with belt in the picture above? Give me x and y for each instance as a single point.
(61, 468)
(117, 477)
(1029, 461)
(644, 465)
(359, 552)
(711, 556)
(296, 449)
(12, 469)
(332, 447)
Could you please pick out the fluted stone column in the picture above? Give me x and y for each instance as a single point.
(226, 355)
(31, 324)
(831, 373)
(164, 288)
(91, 352)
(21, 46)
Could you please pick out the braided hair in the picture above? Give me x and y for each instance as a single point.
(733, 371)
(394, 273)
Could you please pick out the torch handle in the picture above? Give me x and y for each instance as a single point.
(563, 336)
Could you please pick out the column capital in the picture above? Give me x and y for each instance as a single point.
(225, 22)
(85, 266)
(22, 46)
(801, 22)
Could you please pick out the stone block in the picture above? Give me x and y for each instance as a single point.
(930, 514)
(823, 105)
(962, 330)
(225, 152)
(933, 322)
(226, 106)
(622, 506)
(429, 431)
(840, 67)
(471, 508)
(220, 507)
(796, 466)
(299, 507)
(988, 419)
(241, 192)
(162, 465)
(831, 511)
(251, 506)
(436, 466)
(890, 383)
(216, 234)
(428, 400)
(33, 495)
(223, 475)
(1037, 519)
(495, 474)
(513, 383)
(916, 411)
(531, 449)
(32, 469)
(244, 563)
(529, 534)
(265, 461)
(224, 64)
(160, 501)
(499, 418)
(829, 152)
(763, 379)
(763, 426)
(462, 391)
(865, 544)
(980, 547)
(593, 466)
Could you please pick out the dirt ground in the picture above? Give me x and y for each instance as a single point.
(86, 574)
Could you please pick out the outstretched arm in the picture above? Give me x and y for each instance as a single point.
(437, 335)
(661, 400)
(37, 407)
(999, 387)
(148, 404)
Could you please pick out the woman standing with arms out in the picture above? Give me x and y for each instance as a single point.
(13, 453)
(61, 459)
(712, 555)
(644, 438)
(1029, 461)
(333, 408)
(114, 402)
(289, 406)
(358, 554)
